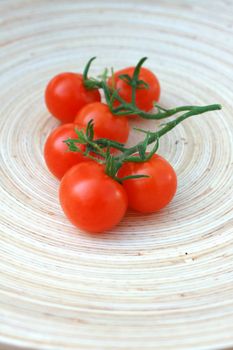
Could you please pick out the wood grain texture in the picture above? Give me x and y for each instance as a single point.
(162, 281)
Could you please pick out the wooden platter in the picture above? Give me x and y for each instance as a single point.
(162, 281)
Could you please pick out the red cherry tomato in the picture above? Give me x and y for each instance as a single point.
(144, 97)
(149, 194)
(57, 157)
(66, 94)
(92, 200)
(106, 125)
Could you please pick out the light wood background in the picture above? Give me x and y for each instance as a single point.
(162, 281)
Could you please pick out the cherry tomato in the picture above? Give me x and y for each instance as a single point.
(152, 193)
(145, 97)
(92, 200)
(106, 125)
(57, 157)
(66, 94)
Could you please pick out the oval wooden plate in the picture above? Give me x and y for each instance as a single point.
(162, 281)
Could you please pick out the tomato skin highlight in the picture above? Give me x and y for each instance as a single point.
(90, 199)
(106, 124)
(145, 98)
(66, 94)
(57, 157)
(148, 195)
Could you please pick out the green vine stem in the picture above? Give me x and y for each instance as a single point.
(125, 108)
(101, 146)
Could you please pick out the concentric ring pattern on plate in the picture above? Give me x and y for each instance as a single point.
(162, 281)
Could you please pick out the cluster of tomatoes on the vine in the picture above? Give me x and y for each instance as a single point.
(100, 177)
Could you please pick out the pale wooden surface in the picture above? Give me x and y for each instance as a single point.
(163, 281)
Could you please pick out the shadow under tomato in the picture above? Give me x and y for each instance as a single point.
(131, 219)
